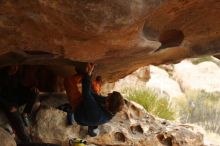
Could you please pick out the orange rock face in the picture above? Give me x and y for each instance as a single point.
(119, 36)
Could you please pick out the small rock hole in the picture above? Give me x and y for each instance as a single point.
(167, 141)
(137, 129)
(119, 137)
(170, 38)
(164, 123)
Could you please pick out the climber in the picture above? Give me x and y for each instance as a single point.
(13, 94)
(92, 109)
(96, 85)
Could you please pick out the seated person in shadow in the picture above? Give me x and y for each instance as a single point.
(91, 109)
(12, 95)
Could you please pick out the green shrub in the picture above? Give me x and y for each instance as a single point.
(149, 100)
(202, 108)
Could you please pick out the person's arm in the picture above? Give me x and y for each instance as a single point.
(86, 86)
(86, 81)
(88, 93)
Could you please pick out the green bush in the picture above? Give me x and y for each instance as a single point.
(202, 108)
(149, 100)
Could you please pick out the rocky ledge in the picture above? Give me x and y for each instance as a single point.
(131, 127)
(118, 35)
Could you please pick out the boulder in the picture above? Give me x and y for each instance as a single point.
(161, 82)
(52, 99)
(135, 80)
(151, 77)
(6, 139)
(204, 76)
(132, 126)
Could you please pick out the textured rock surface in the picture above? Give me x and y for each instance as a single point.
(120, 36)
(6, 139)
(131, 127)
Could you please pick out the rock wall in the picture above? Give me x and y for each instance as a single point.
(119, 36)
(6, 139)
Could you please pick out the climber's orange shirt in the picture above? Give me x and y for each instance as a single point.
(72, 90)
(96, 86)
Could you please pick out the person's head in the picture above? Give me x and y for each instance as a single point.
(12, 69)
(114, 102)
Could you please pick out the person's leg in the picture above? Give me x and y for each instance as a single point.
(70, 115)
(68, 109)
(28, 97)
(93, 131)
(17, 124)
(70, 118)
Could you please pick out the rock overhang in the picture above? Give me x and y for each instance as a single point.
(119, 36)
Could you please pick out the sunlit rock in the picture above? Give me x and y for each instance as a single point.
(163, 84)
(6, 139)
(204, 76)
(151, 77)
(135, 80)
(132, 126)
